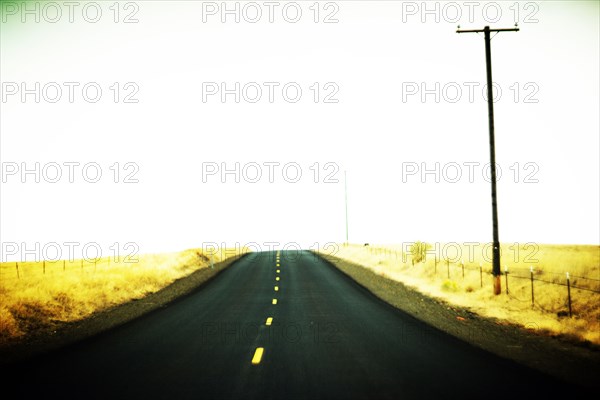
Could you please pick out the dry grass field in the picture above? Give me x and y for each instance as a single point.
(443, 279)
(37, 296)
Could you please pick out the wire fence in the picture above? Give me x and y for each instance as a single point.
(22, 270)
(574, 285)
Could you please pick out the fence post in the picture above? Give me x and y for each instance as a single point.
(448, 267)
(82, 265)
(462, 264)
(63, 265)
(435, 265)
(531, 275)
(569, 294)
(44, 266)
(481, 274)
(17, 267)
(506, 278)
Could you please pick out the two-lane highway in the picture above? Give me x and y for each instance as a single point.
(277, 325)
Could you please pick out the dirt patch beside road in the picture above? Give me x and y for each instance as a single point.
(563, 359)
(62, 334)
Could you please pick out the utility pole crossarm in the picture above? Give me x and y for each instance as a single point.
(489, 30)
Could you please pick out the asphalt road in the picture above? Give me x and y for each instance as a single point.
(328, 338)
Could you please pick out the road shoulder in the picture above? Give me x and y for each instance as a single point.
(68, 333)
(577, 364)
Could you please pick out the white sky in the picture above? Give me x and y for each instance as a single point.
(376, 49)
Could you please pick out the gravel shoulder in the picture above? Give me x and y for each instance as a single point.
(576, 363)
(70, 332)
(563, 359)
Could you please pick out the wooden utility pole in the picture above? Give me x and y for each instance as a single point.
(346, 203)
(488, 62)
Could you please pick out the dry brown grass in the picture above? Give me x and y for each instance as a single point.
(550, 263)
(72, 290)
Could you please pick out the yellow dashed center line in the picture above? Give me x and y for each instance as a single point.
(258, 355)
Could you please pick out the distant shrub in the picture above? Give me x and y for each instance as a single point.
(418, 251)
(449, 286)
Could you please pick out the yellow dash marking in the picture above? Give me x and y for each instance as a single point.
(276, 288)
(269, 321)
(258, 355)
(274, 301)
(278, 271)
(278, 265)
(277, 278)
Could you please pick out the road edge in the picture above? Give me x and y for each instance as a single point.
(72, 332)
(561, 359)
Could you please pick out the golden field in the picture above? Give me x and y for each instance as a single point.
(550, 263)
(37, 296)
